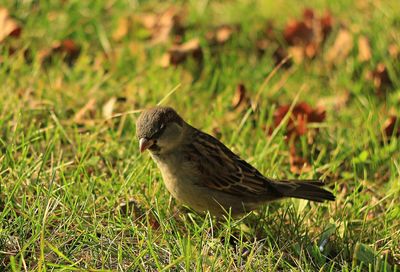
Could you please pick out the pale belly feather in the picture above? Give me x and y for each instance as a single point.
(180, 182)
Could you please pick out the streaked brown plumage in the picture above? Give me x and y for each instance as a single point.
(201, 172)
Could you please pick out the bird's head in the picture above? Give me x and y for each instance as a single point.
(159, 130)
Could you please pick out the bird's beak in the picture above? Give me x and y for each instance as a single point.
(144, 144)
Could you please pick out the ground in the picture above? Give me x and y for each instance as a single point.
(300, 92)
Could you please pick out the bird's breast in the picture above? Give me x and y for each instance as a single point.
(177, 174)
(182, 181)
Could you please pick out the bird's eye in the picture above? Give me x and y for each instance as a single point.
(158, 132)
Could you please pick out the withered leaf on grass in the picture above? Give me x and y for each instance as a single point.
(67, 49)
(221, 34)
(163, 25)
(391, 127)
(122, 29)
(380, 78)
(301, 115)
(364, 49)
(298, 33)
(306, 36)
(240, 100)
(179, 53)
(8, 25)
(394, 51)
(341, 48)
(108, 107)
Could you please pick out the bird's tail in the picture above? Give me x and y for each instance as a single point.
(304, 189)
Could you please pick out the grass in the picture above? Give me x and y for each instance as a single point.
(63, 183)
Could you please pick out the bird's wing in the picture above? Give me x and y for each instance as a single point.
(223, 170)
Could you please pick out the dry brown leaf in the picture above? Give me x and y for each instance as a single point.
(223, 34)
(8, 25)
(306, 36)
(341, 48)
(301, 115)
(380, 78)
(297, 53)
(220, 35)
(298, 33)
(240, 100)
(68, 49)
(364, 49)
(390, 125)
(394, 51)
(88, 109)
(122, 29)
(179, 53)
(108, 107)
(162, 25)
(311, 50)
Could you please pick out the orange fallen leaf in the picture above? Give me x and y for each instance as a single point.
(8, 25)
(341, 48)
(220, 35)
(364, 49)
(297, 53)
(394, 51)
(179, 53)
(122, 29)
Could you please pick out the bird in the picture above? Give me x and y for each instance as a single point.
(202, 173)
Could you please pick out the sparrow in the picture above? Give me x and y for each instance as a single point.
(202, 173)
